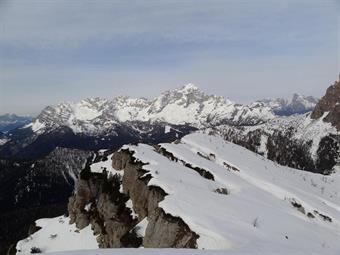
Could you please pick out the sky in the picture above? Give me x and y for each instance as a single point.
(53, 51)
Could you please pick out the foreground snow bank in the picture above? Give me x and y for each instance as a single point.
(235, 200)
(250, 201)
(57, 234)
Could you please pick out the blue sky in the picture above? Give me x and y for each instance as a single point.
(60, 50)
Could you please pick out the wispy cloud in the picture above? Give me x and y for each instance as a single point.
(63, 23)
(59, 50)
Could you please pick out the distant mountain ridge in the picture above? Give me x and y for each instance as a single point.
(96, 123)
(297, 104)
(12, 121)
(297, 141)
(307, 141)
(185, 105)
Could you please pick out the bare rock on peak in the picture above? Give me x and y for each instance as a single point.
(329, 104)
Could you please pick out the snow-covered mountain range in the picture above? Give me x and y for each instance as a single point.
(12, 121)
(201, 192)
(307, 141)
(185, 105)
(96, 123)
(297, 104)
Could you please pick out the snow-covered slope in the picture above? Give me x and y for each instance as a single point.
(290, 140)
(305, 129)
(3, 139)
(57, 235)
(258, 208)
(238, 201)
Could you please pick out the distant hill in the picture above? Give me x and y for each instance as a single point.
(11, 121)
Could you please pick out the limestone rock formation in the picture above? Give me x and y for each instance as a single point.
(101, 200)
(329, 104)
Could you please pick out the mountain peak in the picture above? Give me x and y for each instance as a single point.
(296, 104)
(296, 96)
(189, 87)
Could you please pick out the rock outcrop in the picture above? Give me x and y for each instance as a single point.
(97, 201)
(101, 200)
(329, 104)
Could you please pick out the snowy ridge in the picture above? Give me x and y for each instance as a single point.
(185, 105)
(106, 165)
(260, 193)
(304, 129)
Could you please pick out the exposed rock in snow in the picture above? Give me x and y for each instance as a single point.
(36, 126)
(297, 141)
(264, 207)
(329, 104)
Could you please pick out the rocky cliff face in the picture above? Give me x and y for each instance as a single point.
(117, 208)
(329, 104)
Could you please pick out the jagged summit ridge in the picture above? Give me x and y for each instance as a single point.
(297, 104)
(184, 105)
(189, 87)
(95, 123)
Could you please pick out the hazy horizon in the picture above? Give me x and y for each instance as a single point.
(55, 51)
